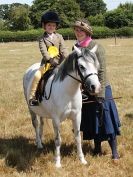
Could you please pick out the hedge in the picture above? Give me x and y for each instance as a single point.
(8, 36)
(125, 31)
(32, 35)
(102, 32)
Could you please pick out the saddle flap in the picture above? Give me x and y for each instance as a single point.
(42, 84)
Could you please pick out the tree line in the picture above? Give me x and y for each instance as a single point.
(18, 16)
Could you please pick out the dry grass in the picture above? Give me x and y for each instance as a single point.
(18, 153)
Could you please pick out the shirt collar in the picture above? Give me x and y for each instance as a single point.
(51, 35)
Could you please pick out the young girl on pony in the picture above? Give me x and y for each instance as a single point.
(52, 48)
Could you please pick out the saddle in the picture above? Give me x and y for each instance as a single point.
(42, 83)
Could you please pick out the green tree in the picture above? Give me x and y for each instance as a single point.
(97, 20)
(37, 9)
(1, 24)
(92, 7)
(4, 11)
(6, 8)
(116, 19)
(68, 11)
(19, 19)
(127, 8)
(14, 16)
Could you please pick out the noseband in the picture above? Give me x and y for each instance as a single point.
(83, 79)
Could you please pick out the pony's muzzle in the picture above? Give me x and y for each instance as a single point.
(93, 89)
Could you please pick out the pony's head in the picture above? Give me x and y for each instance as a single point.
(85, 64)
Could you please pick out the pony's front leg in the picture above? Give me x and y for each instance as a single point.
(76, 126)
(37, 130)
(56, 125)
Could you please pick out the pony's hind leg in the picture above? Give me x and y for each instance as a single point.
(41, 127)
(56, 126)
(38, 129)
(76, 127)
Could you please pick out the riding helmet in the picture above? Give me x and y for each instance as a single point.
(50, 16)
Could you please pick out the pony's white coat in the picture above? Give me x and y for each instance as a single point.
(65, 101)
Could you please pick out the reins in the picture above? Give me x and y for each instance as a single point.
(47, 97)
(74, 78)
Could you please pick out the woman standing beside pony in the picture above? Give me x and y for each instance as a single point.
(100, 119)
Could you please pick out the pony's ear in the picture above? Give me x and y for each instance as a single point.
(78, 51)
(93, 50)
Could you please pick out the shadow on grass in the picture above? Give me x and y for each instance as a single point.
(20, 152)
(87, 149)
(129, 115)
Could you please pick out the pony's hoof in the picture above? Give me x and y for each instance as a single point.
(58, 165)
(83, 161)
(57, 162)
(40, 147)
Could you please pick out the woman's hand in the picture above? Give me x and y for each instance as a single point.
(100, 99)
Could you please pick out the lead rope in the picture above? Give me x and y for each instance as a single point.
(101, 109)
(85, 102)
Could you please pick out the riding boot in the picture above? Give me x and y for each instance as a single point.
(113, 144)
(33, 101)
(97, 147)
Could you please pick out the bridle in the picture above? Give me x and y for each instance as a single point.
(83, 79)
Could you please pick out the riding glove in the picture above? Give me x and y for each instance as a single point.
(52, 62)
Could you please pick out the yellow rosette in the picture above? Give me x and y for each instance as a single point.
(53, 52)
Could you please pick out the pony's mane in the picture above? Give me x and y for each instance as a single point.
(69, 64)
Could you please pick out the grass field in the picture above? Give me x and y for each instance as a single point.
(18, 154)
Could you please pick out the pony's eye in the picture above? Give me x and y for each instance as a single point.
(82, 67)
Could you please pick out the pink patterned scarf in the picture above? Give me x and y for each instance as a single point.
(86, 42)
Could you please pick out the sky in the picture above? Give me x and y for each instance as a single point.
(111, 4)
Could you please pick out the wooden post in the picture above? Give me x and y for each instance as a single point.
(115, 38)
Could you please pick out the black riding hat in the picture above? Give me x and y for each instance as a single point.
(50, 17)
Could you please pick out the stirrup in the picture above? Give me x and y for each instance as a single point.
(33, 102)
